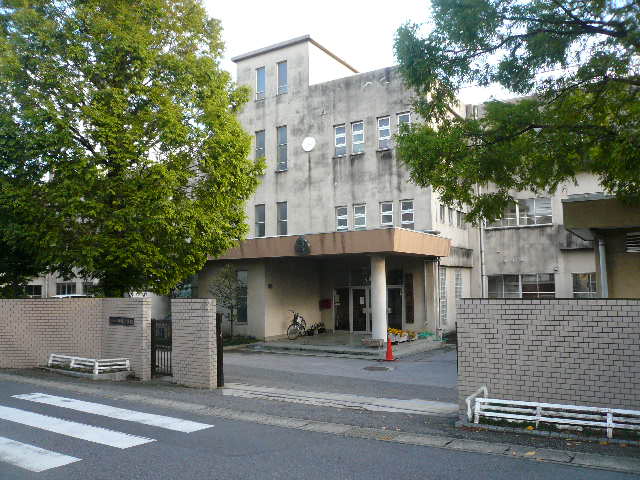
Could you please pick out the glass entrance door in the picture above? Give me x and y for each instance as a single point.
(341, 299)
(360, 310)
(394, 307)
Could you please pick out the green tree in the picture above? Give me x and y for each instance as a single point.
(574, 65)
(126, 123)
(230, 293)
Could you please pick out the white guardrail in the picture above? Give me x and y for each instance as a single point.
(578, 415)
(95, 365)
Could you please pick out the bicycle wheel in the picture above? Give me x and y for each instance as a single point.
(293, 332)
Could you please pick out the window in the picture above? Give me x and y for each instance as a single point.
(450, 210)
(460, 219)
(404, 119)
(242, 277)
(584, 285)
(88, 288)
(531, 211)
(342, 218)
(282, 78)
(359, 217)
(340, 140)
(386, 214)
(406, 214)
(384, 133)
(632, 242)
(260, 83)
(282, 148)
(458, 285)
(66, 288)
(442, 287)
(536, 285)
(259, 144)
(442, 214)
(357, 137)
(33, 291)
(504, 286)
(260, 221)
(282, 218)
(534, 211)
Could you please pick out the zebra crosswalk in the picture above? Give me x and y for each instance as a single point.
(37, 459)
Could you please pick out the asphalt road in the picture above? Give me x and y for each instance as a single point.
(233, 449)
(430, 375)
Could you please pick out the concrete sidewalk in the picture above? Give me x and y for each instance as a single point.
(153, 397)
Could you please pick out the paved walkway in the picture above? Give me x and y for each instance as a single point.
(336, 400)
(342, 344)
(620, 464)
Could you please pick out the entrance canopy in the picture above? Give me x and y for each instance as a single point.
(377, 241)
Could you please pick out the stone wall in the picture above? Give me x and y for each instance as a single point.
(31, 330)
(194, 342)
(584, 352)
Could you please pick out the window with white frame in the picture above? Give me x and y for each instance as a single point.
(443, 211)
(260, 220)
(33, 291)
(259, 144)
(632, 242)
(403, 119)
(460, 219)
(281, 133)
(406, 214)
(386, 214)
(359, 217)
(450, 210)
(282, 78)
(282, 218)
(66, 288)
(459, 286)
(88, 288)
(340, 133)
(260, 83)
(342, 218)
(523, 212)
(535, 285)
(357, 137)
(442, 287)
(584, 285)
(384, 133)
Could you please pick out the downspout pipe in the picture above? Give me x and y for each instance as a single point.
(604, 281)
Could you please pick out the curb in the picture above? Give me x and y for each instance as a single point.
(576, 459)
(544, 433)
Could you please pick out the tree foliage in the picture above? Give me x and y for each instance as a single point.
(118, 134)
(230, 293)
(574, 66)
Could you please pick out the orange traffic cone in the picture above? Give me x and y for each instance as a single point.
(389, 356)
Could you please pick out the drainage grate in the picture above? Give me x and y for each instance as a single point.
(376, 368)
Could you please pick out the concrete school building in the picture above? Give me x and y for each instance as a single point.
(338, 231)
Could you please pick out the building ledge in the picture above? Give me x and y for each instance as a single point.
(383, 240)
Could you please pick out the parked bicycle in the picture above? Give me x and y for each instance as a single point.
(298, 327)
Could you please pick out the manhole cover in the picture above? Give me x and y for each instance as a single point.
(376, 368)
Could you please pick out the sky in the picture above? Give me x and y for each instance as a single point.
(359, 31)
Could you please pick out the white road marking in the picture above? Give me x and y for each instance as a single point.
(30, 457)
(160, 421)
(336, 400)
(72, 429)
